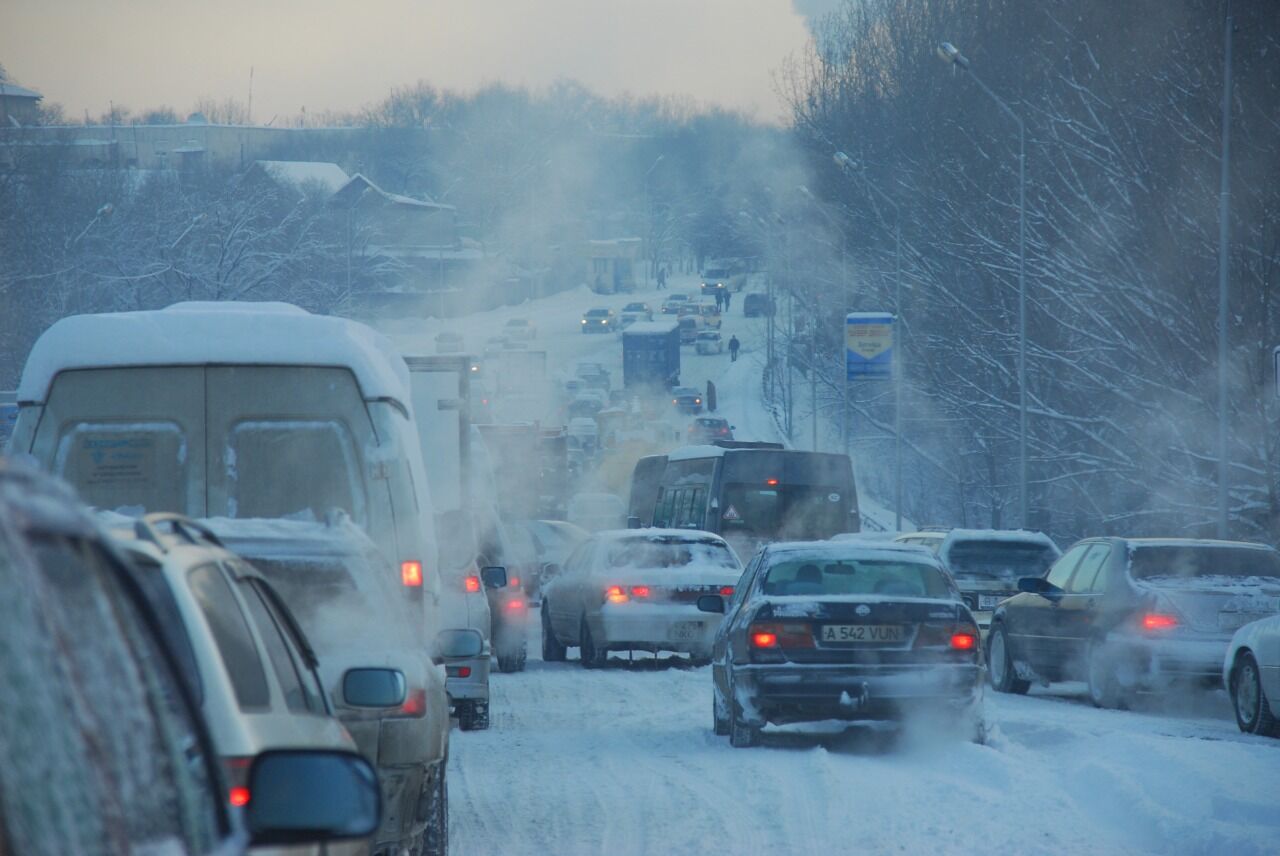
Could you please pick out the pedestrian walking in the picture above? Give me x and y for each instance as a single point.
(728, 298)
(719, 300)
(734, 345)
(662, 278)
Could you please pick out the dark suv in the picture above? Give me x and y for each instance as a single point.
(102, 748)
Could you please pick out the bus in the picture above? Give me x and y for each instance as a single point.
(748, 493)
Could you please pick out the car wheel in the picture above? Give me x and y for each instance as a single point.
(552, 650)
(466, 711)
(1253, 711)
(513, 660)
(719, 715)
(742, 734)
(1000, 664)
(435, 838)
(591, 657)
(1105, 690)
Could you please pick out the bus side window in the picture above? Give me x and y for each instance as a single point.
(694, 511)
(662, 511)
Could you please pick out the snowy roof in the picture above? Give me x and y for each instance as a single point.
(651, 328)
(1196, 542)
(687, 453)
(228, 333)
(360, 181)
(855, 549)
(298, 173)
(655, 533)
(10, 90)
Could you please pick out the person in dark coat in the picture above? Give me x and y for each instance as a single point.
(734, 345)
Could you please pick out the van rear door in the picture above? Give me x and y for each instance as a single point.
(127, 438)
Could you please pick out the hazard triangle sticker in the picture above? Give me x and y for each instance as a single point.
(731, 513)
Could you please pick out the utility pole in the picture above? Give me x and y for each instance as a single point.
(1224, 268)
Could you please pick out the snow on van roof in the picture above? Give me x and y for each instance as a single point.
(654, 533)
(688, 453)
(204, 333)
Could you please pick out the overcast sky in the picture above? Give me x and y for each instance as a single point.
(326, 54)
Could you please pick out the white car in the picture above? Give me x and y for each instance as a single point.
(1251, 672)
(636, 590)
(709, 342)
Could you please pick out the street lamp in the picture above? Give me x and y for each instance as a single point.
(951, 55)
(844, 281)
(850, 167)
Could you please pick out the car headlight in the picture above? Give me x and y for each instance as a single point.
(584, 320)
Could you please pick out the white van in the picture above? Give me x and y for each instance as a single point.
(236, 410)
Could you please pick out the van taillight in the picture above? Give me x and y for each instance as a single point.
(472, 584)
(237, 770)
(411, 573)
(457, 671)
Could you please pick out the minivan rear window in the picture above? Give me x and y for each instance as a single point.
(126, 466)
(293, 468)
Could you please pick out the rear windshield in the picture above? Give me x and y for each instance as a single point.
(823, 576)
(1183, 562)
(651, 553)
(1003, 560)
(297, 468)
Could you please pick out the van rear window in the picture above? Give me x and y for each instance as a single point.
(126, 466)
(293, 468)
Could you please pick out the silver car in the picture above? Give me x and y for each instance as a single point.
(635, 590)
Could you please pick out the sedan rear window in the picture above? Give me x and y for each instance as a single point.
(823, 576)
(1003, 560)
(656, 553)
(1202, 560)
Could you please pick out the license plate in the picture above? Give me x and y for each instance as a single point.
(685, 631)
(863, 633)
(989, 601)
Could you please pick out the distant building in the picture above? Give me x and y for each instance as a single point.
(611, 264)
(19, 106)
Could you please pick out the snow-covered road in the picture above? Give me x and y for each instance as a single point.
(622, 761)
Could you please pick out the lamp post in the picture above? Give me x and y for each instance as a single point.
(813, 377)
(849, 167)
(648, 198)
(1224, 268)
(952, 56)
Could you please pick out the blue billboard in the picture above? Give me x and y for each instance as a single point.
(868, 348)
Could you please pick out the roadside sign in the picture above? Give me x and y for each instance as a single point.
(868, 345)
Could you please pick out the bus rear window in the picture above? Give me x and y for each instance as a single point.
(301, 469)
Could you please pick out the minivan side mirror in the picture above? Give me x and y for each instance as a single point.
(305, 796)
(457, 644)
(633, 522)
(711, 603)
(373, 687)
(494, 577)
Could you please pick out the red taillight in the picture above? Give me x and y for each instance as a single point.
(726, 591)
(514, 605)
(457, 671)
(1158, 621)
(237, 768)
(964, 641)
(416, 703)
(238, 796)
(615, 594)
(514, 582)
(764, 639)
(771, 482)
(472, 584)
(639, 591)
(411, 573)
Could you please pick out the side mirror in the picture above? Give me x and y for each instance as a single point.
(300, 796)
(494, 577)
(1037, 585)
(633, 522)
(733, 427)
(711, 603)
(457, 645)
(373, 688)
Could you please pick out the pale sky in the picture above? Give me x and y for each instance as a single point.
(327, 54)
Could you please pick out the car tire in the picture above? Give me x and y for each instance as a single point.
(513, 661)
(552, 650)
(435, 838)
(719, 715)
(591, 657)
(1000, 664)
(742, 734)
(1253, 711)
(472, 717)
(1104, 686)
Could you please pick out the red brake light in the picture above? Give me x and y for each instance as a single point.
(514, 605)
(764, 639)
(416, 703)
(771, 482)
(514, 582)
(615, 594)
(726, 591)
(640, 591)
(458, 671)
(238, 796)
(411, 573)
(1158, 621)
(964, 641)
(472, 584)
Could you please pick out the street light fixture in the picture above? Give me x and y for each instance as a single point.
(951, 55)
(851, 167)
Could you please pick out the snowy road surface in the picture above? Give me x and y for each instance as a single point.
(622, 761)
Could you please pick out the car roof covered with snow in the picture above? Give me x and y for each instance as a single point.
(853, 549)
(206, 333)
(653, 533)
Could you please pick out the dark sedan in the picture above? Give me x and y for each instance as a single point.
(1132, 614)
(846, 631)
